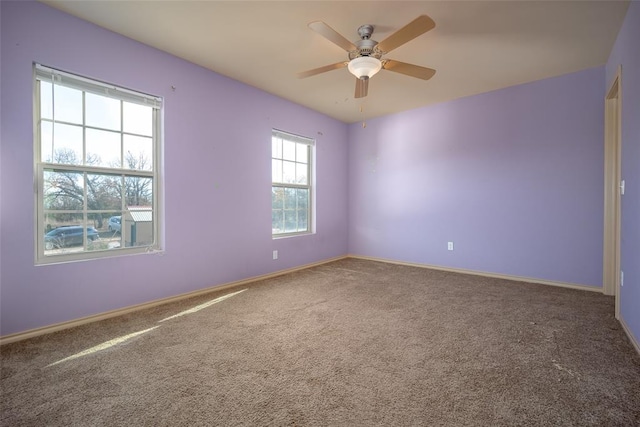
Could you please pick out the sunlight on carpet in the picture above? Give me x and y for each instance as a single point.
(201, 306)
(111, 343)
(103, 346)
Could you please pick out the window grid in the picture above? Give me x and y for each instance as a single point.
(291, 188)
(83, 174)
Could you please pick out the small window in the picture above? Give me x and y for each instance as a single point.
(97, 151)
(291, 189)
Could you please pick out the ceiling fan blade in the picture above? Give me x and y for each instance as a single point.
(332, 35)
(324, 69)
(362, 87)
(413, 29)
(408, 69)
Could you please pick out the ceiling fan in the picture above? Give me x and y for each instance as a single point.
(365, 55)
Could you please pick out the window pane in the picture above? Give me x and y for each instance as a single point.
(301, 173)
(137, 227)
(67, 104)
(277, 197)
(138, 153)
(46, 100)
(46, 141)
(137, 119)
(67, 144)
(302, 153)
(289, 198)
(102, 112)
(63, 190)
(63, 233)
(104, 192)
(288, 172)
(138, 192)
(105, 224)
(302, 220)
(112, 224)
(276, 148)
(277, 218)
(276, 170)
(303, 198)
(289, 213)
(290, 221)
(103, 148)
(289, 150)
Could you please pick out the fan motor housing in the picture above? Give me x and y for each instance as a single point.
(366, 47)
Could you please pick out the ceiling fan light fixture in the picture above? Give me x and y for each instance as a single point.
(364, 66)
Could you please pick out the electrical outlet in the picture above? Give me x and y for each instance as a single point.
(449, 246)
(275, 254)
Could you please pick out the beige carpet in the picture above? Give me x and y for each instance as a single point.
(352, 342)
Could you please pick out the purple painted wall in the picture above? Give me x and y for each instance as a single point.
(513, 177)
(216, 156)
(627, 53)
(0, 166)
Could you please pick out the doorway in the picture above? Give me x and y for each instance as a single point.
(612, 166)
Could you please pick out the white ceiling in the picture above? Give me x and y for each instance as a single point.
(476, 47)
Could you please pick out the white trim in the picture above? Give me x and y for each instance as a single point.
(612, 197)
(19, 336)
(57, 77)
(281, 137)
(37, 156)
(484, 274)
(95, 86)
(292, 137)
(627, 330)
(32, 333)
(102, 170)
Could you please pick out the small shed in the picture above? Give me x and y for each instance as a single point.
(137, 226)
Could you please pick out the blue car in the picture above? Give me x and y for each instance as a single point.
(114, 223)
(70, 235)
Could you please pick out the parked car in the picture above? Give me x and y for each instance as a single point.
(115, 223)
(68, 236)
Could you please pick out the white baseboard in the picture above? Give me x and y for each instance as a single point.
(484, 274)
(19, 336)
(219, 288)
(625, 327)
(627, 330)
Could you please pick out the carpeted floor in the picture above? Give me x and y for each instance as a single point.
(352, 342)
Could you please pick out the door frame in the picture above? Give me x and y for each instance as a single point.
(612, 177)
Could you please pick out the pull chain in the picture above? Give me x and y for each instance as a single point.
(364, 117)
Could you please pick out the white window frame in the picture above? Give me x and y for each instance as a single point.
(310, 144)
(86, 85)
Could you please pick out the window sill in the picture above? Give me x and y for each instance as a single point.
(83, 257)
(289, 235)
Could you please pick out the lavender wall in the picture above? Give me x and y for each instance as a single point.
(217, 174)
(627, 53)
(0, 163)
(513, 177)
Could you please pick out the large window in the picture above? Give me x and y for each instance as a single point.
(291, 189)
(97, 152)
